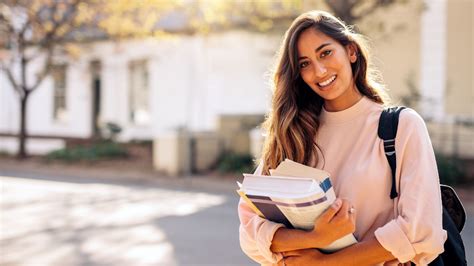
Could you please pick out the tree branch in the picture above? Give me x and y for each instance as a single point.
(343, 9)
(375, 5)
(49, 42)
(45, 69)
(24, 28)
(11, 79)
(10, 30)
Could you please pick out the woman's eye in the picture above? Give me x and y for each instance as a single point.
(304, 64)
(325, 53)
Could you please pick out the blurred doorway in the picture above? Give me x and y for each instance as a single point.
(96, 67)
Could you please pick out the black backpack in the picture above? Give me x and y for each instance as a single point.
(454, 215)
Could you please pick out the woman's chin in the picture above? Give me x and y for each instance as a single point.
(328, 95)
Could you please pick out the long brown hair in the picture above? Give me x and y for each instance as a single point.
(293, 121)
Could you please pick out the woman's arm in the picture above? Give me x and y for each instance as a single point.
(255, 236)
(333, 224)
(369, 252)
(291, 239)
(416, 234)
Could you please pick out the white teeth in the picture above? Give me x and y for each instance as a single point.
(327, 82)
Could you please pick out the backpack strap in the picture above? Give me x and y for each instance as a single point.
(388, 125)
(454, 215)
(387, 131)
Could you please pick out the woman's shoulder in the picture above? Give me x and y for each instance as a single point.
(411, 121)
(411, 117)
(408, 117)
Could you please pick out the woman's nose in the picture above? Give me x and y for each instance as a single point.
(320, 70)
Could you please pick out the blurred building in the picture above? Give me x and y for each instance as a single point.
(147, 87)
(203, 83)
(428, 64)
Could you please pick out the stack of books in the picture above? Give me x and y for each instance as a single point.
(294, 195)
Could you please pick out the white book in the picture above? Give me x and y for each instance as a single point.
(281, 184)
(294, 195)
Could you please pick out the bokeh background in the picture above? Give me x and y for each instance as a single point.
(125, 124)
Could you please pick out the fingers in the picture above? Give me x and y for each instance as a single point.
(346, 214)
(345, 206)
(331, 211)
(345, 217)
(343, 212)
(352, 214)
(336, 205)
(352, 210)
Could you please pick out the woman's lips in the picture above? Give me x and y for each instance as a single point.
(325, 84)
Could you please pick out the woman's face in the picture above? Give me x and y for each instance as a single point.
(325, 65)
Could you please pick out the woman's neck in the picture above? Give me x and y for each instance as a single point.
(344, 101)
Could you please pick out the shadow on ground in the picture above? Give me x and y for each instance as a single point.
(71, 222)
(207, 237)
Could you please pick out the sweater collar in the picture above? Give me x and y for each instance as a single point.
(346, 115)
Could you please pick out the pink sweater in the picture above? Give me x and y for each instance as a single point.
(410, 227)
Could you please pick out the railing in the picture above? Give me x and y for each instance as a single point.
(453, 138)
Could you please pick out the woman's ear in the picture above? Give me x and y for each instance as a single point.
(352, 52)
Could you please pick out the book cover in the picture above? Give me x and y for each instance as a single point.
(294, 195)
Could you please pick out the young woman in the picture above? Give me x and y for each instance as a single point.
(325, 112)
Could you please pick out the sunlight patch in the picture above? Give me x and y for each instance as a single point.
(107, 224)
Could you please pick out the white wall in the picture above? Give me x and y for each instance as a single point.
(237, 74)
(433, 59)
(192, 80)
(9, 109)
(39, 118)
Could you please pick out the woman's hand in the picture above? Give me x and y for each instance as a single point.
(336, 222)
(333, 224)
(303, 257)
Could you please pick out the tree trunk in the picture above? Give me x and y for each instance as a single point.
(22, 135)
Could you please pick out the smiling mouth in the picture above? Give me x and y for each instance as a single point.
(327, 82)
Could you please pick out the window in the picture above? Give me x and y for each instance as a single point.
(58, 73)
(139, 93)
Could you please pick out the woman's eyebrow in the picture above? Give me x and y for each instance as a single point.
(321, 47)
(316, 50)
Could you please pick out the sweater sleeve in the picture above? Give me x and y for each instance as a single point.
(256, 234)
(417, 233)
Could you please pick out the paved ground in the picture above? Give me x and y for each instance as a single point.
(47, 218)
(70, 221)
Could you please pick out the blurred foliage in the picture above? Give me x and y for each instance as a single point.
(412, 97)
(40, 21)
(142, 142)
(208, 15)
(235, 163)
(111, 130)
(97, 151)
(451, 170)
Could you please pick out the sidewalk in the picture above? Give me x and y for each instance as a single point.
(54, 220)
(111, 172)
(143, 174)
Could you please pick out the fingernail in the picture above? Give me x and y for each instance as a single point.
(337, 203)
